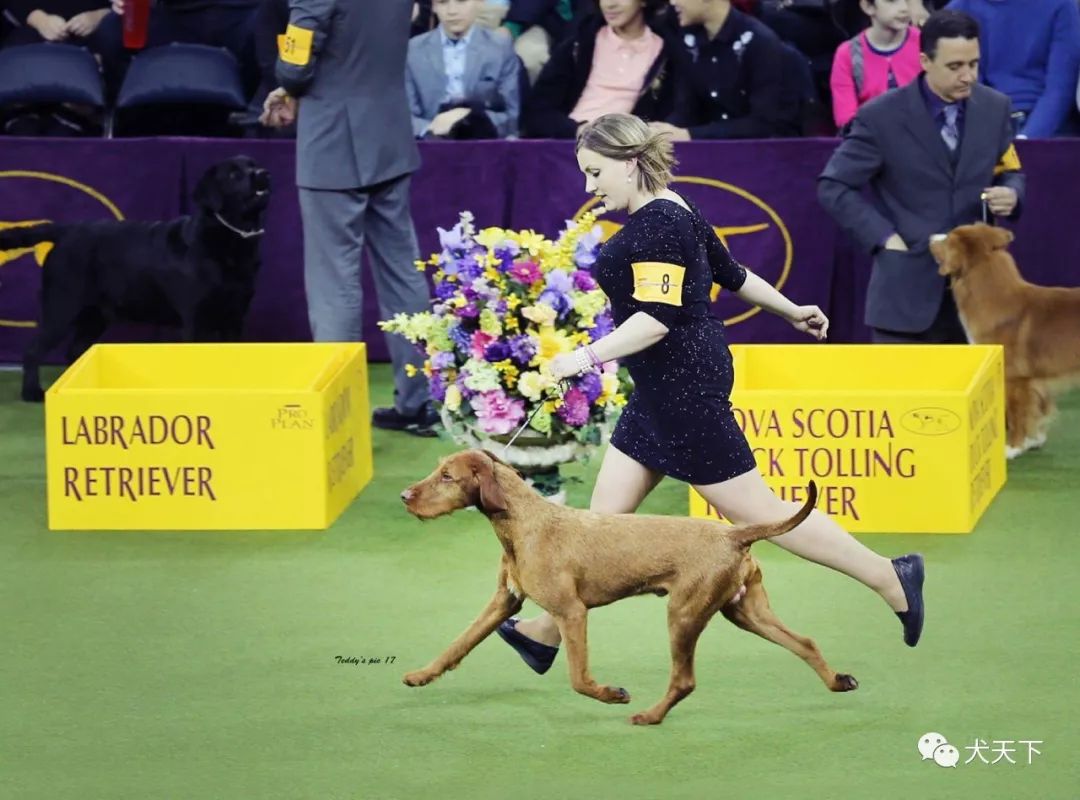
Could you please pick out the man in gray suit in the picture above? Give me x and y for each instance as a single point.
(930, 152)
(463, 79)
(341, 66)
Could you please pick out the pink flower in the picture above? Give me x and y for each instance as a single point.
(575, 408)
(526, 272)
(480, 341)
(496, 412)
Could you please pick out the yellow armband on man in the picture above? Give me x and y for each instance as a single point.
(294, 46)
(1009, 161)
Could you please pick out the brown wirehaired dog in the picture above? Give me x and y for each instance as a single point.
(568, 561)
(1039, 326)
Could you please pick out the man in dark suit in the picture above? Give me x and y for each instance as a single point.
(931, 153)
(355, 153)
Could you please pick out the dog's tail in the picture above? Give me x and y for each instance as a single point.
(746, 535)
(23, 236)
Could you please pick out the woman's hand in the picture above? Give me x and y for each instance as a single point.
(811, 320)
(564, 365)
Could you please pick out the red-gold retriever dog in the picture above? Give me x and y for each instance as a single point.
(1039, 326)
(568, 561)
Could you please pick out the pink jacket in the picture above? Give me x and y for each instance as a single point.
(875, 74)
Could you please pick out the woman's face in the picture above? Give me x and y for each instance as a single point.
(620, 13)
(607, 178)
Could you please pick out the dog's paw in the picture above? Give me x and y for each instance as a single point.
(1012, 452)
(646, 718)
(418, 677)
(844, 683)
(1035, 442)
(614, 694)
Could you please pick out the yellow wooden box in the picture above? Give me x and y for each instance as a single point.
(898, 438)
(208, 437)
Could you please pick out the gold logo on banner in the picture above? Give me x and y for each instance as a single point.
(41, 251)
(771, 221)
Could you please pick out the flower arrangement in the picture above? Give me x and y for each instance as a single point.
(506, 303)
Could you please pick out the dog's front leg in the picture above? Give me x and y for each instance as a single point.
(498, 609)
(573, 628)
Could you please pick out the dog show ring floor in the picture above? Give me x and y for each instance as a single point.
(268, 664)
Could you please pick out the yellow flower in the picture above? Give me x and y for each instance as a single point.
(552, 342)
(510, 323)
(427, 369)
(421, 265)
(541, 314)
(512, 302)
(491, 237)
(531, 385)
(609, 387)
(410, 370)
(453, 398)
(531, 241)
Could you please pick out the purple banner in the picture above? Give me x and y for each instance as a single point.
(760, 196)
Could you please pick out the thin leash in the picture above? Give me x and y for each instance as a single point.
(562, 386)
(985, 209)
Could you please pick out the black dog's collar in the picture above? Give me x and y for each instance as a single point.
(241, 233)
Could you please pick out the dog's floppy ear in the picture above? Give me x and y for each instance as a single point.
(208, 190)
(953, 257)
(498, 460)
(492, 499)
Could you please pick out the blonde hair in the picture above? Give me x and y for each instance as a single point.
(625, 137)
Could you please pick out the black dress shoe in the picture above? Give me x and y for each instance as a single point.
(538, 656)
(911, 571)
(422, 423)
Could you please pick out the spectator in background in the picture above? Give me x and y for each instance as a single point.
(882, 57)
(69, 21)
(730, 76)
(537, 25)
(462, 79)
(1031, 52)
(616, 62)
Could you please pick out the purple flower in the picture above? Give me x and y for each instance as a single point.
(497, 351)
(505, 254)
(558, 280)
(522, 349)
(574, 409)
(583, 281)
(445, 290)
(591, 386)
(461, 338)
(557, 300)
(466, 392)
(437, 387)
(472, 267)
(602, 328)
(452, 239)
(500, 308)
(585, 253)
(468, 310)
(442, 361)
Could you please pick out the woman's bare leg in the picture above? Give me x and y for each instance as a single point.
(747, 498)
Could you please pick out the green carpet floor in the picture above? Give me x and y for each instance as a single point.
(203, 665)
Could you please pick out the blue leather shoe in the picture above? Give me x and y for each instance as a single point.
(911, 571)
(537, 655)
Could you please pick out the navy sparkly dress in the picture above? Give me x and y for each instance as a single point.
(678, 420)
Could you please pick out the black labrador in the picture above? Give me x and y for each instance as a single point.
(195, 272)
